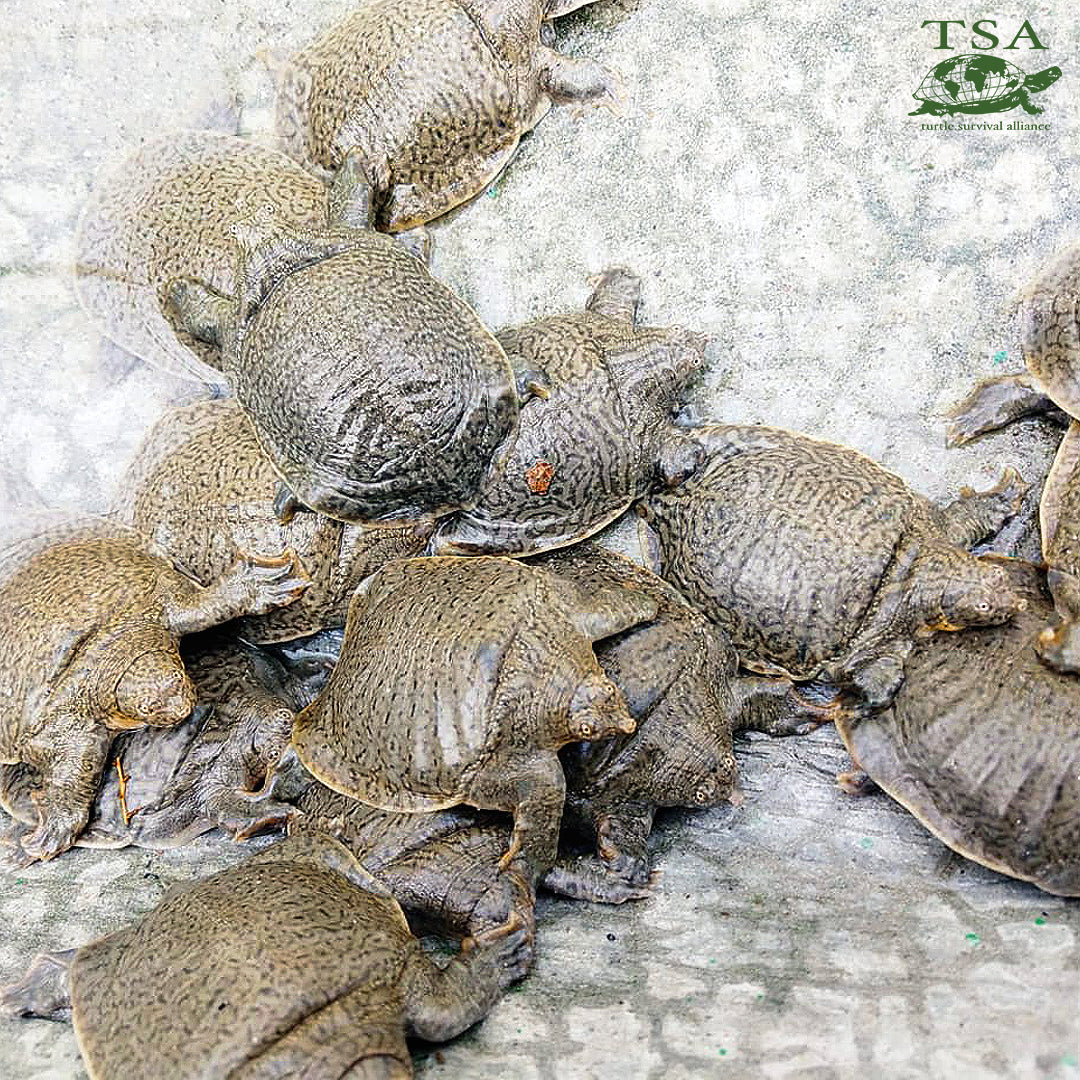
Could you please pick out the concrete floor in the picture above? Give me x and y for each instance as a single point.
(770, 187)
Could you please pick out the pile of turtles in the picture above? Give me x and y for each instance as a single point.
(354, 598)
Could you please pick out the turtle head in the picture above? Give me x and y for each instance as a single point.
(658, 366)
(153, 691)
(598, 711)
(1042, 79)
(983, 597)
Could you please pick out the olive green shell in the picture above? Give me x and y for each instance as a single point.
(280, 959)
(675, 673)
(585, 452)
(982, 745)
(214, 768)
(784, 546)
(431, 646)
(203, 490)
(1050, 323)
(377, 394)
(434, 94)
(58, 589)
(167, 211)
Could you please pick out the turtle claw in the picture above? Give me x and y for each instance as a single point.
(273, 581)
(856, 783)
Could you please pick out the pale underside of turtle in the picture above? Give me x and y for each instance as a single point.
(203, 490)
(982, 745)
(600, 436)
(376, 393)
(679, 676)
(168, 211)
(215, 769)
(90, 619)
(459, 680)
(296, 962)
(818, 562)
(433, 95)
(1050, 326)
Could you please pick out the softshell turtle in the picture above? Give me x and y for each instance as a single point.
(1051, 347)
(297, 962)
(459, 680)
(978, 83)
(432, 94)
(215, 769)
(377, 394)
(679, 676)
(443, 867)
(599, 439)
(90, 619)
(168, 211)
(982, 745)
(818, 562)
(202, 489)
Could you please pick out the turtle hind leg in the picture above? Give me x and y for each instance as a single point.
(976, 515)
(580, 80)
(44, 991)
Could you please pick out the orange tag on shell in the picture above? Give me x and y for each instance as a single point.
(539, 477)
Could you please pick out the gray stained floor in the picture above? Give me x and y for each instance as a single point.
(770, 187)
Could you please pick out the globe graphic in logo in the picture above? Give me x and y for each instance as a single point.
(977, 83)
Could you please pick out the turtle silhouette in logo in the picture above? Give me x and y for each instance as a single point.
(971, 83)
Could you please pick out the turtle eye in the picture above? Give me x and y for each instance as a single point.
(982, 606)
(703, 793)
(585, 730)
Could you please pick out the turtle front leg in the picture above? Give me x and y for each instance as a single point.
(876, 669)
(70, 754)
(622, 841)
(996, 403)
(1026, 104)
(252, 586)
(440, 1004)
(205, 314)
(616, 294)
(976, 515)
(44, 991)
(580, 80)
(588, 877)
(533, 788)
(350, 202)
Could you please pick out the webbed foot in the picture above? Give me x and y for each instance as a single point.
(581, 81)
(511, 947)
(588, 878)
(269, 582)
(996, 403)
(44, 991)
(56, 831)
(879, 680)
